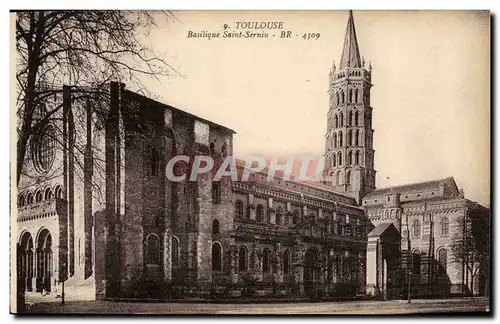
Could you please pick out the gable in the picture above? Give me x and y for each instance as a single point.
(385, 230)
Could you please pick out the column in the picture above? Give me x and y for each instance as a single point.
(251, 207)
(233, 263)
(55, 269)
(334, 223)
(32, 277)
(46, 270)
(257, 263)
(323, 275)
(167, 256)
(337, 269)
(381, 270)
(39, 269)
(298, 265)
(271, 211)
(278, 273)
(384, 279)
(361, 264)
(372, 267)
(346, 264)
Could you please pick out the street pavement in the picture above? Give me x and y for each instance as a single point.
(454, 305)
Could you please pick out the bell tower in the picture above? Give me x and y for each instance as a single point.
(349, 154)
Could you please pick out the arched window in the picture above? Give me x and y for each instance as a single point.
(153, 248)
(348, 177)
(29, 198)
(356, 158)
(349, 119)
(335, 140)
(337, 99)
(334, 161)
(215, 227)
(356, 116)
(58, 192)
(336, 120)
(349, 137)
(38, 196)
(216, 192)
(296, 216)
(337, 178)
(279, 215)
(175, 251)
(242, 259)
(341, 119)
(340, 158)
(350, 95)
(21, 202)
(416, 228)
(266, 261)
(341, 139)
(44, 261)
(356, 139)
(260, 213)
(445, 226)
(443, 258)
(48, 194)
(349, 157)
(355, 95)
(238, 209)
(342, 97)
(216, 257)
(26, 255)
(332, 177)
(286, 262)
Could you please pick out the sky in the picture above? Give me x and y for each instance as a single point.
(430, 99)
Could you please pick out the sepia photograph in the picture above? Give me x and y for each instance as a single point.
(250, 162)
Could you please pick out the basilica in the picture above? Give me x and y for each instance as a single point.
(96, 211)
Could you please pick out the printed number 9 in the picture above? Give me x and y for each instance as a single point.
(311, 36)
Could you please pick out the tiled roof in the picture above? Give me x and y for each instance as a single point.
(410, 188)
(380, 229)
(180, 111)
(279, 175)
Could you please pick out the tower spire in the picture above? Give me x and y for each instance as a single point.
(349, 154)
(350, 53)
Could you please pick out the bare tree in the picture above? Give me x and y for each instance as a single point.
(85, 49)
(471, 245)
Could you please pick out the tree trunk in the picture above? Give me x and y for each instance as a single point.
(21, 153)
(33, 66)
